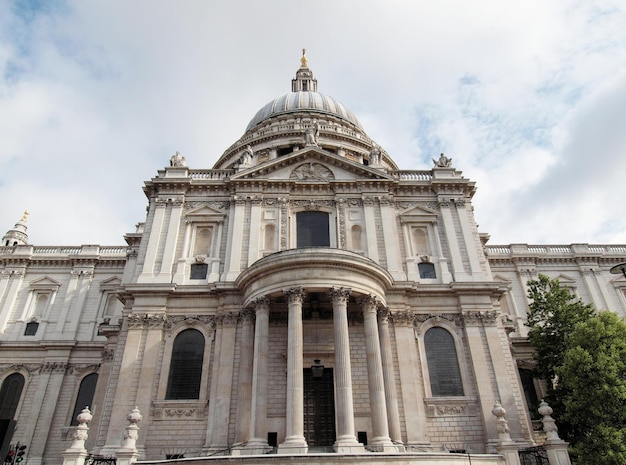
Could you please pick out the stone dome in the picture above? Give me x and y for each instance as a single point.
(308, 101)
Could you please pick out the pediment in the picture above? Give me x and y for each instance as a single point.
(204, 213)
(111, 283)
(418, 213)
(311, 165)
(45, 283)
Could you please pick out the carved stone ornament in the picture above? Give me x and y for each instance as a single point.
(476, 318)
(420, 318)
(295, 295)
(179, 410)
(312, 172)
(147, 320)
(339, 295)
(207, 320)
(451, 407)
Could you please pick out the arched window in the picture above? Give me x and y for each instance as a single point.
(31, 328)
(10, 394)
(312, 229)
(85, 395)
(443, 366)
(186, 366)
(199, 271)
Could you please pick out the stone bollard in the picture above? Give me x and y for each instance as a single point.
(76, 453)
(128, 454)
(505, 446)
(555, 447)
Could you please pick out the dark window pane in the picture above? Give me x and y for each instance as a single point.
(31, 328)
(85, 395)
(186, 366)
(10, 394)
(199, 271)
(427, 270)
(443, 366)
(312, 229)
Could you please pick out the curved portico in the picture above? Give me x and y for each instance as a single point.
(339, 275)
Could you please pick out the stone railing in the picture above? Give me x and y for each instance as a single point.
(412, 175)
(44, 251)
(545, 250)
(211, 174)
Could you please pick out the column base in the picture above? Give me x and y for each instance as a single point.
(256, 446)
(348, 445)
(293, 445)
(383, 445)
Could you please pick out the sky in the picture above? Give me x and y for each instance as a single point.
(527, 98)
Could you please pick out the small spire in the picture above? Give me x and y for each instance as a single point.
(18, 235)
(303, 60)
(304, 81)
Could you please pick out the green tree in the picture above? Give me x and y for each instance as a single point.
(593, 376)
(553, 314)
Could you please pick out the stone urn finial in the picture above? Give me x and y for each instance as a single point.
(80, 434)
(502, 426)
(549, 425)
(131, 434)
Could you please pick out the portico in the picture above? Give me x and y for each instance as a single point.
(361, 284)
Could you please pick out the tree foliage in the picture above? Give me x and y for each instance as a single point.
(553, 314)
(593, 376)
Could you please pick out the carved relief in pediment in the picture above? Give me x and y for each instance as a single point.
(312, 172)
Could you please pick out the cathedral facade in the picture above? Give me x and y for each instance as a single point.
(303, 295)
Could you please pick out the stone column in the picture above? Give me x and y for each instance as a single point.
(346, 440)
(258, 427)
(294, 423)
(244, 397)
(378, 405)
(389, 377)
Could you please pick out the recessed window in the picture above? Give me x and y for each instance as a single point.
(199, 271)
(10, 394)
(186, 366)
(443, 365)
(85, 395)
(312, 229)
(31, 328)
(427, 270)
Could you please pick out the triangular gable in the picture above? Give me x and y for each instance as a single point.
(204, 213)
(323, 166)
(418, 213)
(110, 284)
(45, 283)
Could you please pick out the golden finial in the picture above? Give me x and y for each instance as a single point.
(303, 59)
(24, 216)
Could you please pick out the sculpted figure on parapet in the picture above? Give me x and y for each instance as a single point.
(177, 160)
(443, 162)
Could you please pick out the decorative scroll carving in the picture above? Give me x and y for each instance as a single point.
(459, 202)
(295, 295)
(227, 319)
(147, 320)
(107, 355)
(53, 367)
(475, 318)
(312, 172)
(384, 315)
(171, 321)
(247, 315)
(214, 205)
(179, 410)
(79, 370)
(368, 302)
(402, 319)
(341, 211)
(420, 318)
(339, 295)
(14, 273)
(451, 407)
(283, 223)
(401, 206)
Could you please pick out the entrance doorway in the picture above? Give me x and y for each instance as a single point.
(319, 409)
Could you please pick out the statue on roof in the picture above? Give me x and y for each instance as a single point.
(443, 162)
(303, 60)
(312, 133)
(177, 160)
(24, 216)
(247, 156)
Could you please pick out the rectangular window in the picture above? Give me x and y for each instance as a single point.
(312, 229)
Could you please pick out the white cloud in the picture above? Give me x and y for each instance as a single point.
(95, 97)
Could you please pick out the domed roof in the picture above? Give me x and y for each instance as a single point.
(303, 101)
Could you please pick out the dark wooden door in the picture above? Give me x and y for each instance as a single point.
(319, 409)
